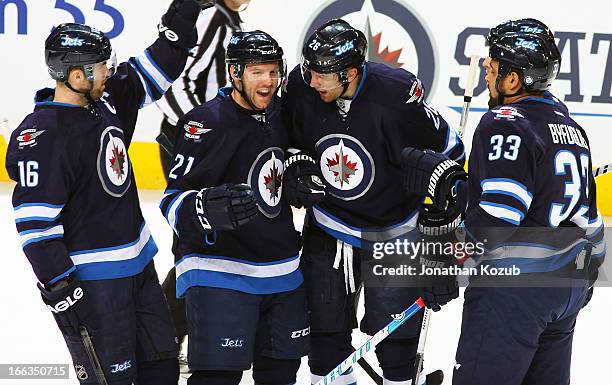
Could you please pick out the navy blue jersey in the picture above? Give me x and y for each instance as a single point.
(76, 204)
(532, 194)
(220, 142)
(358, 145)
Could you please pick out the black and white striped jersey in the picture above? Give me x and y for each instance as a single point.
(205, 72)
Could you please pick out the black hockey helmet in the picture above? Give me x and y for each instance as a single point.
(528, 47)
(72, 45)
(334, 48)
(254, 47)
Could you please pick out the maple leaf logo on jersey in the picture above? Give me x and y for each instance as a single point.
(506, 113)
(117, 161)
(341, 167)
(194, 130)
(273, 181)
(416, 92)
(28, 137)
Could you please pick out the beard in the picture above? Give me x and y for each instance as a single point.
(494, 101)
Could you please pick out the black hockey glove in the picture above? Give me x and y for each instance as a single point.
(67, 300)
(178, 24)
(302, 184)
(225, 207)
(439, 227)
(431, 173)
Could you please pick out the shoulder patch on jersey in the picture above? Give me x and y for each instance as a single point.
(27, 137)
(113, 162)
(194, 130)
(416, 92)
(506, 113)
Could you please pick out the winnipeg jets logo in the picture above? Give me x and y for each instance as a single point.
(27, 137)
(273, 180)
(506, 113)
(346, 166)
(266, 180)
(194, 130)
(113, 162)
(341, 166)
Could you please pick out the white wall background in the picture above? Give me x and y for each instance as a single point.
(23, 72)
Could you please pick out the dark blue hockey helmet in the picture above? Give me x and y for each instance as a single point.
(72, 45)
(528, 47)
(253, 47)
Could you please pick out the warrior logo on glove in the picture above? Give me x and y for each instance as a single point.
(266, 181)
(347, 167)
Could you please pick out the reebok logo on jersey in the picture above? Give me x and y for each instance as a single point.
(27, 138)
(506, 113)
(194, 130)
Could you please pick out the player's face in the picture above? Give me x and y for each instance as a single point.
(101, 75)
(237, 5)
(491, 67)
(260, 82)
(327, 85)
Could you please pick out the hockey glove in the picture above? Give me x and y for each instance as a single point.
(178, 24)
(431, 173)
(439, 227)
(225, 207)
(302, 184)
(67, 300)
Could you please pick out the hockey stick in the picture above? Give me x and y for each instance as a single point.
(365, 365)
(93, 357)
(435, 377)
(418, 362)
(371, 343)
(468, 93)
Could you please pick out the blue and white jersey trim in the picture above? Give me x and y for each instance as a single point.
(237, 274)
(174, 207)
(504, 212)
(37, 212)
(355, 236)
(153, 72)
(148, 95)
(37, 235)
(452, 141)
(117, 261)
(532, 258)
(509, 187)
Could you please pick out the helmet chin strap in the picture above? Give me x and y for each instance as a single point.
(86, 93)
(246, 98)
(500, 94)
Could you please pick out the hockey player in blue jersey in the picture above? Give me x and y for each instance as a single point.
(350, 119)
(238, 266)
(76, 204)
(531, 200)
